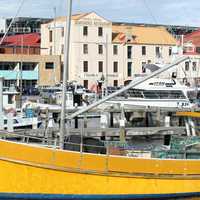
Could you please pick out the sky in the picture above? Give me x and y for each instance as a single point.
(177, 12)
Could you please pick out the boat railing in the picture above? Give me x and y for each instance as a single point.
(107, 148)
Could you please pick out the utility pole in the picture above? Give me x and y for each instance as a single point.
(65, 72)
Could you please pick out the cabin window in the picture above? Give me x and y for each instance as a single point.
(100, 49)
(85, 66)
(163, 94)
(115, 49)
(100, 31)
(100, 66)
(49, 65)
(135, 93)
(115, 67)
(85, 48)
(187, 66)
(143, 50)
(85, 30)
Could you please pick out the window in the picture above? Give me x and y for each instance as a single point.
(143, 50)
(85, 30)
(187, 66)
(194, 66)
(158, 54)
(170, 51)
(62, 32)
(115, 83)
(129, 70)
(100, 31)
(85, 66)
(100, 49)
(129, 52)
(85, 48)
(10, 99)
(115, 67)
(198, 49)
(50, 36)
(85, 84)
(163, 94)
(115, 49)
(149, 61)
(143, 67)
(62, 49)
(49, 65)
(100, 66)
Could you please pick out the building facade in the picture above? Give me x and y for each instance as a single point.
(22, 25)
(31, 69)
(102, 51)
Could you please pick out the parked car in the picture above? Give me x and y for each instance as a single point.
(30, 91)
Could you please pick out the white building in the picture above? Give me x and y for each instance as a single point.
(102, 50)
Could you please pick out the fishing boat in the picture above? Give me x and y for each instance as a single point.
(29, 171)
(32, 172)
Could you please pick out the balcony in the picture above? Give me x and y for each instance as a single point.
(14, 75)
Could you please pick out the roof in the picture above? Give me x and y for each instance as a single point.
(143, 35)
(31, 39)
(74, 17)
(193, 37)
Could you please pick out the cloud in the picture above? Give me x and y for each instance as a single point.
(182, 12)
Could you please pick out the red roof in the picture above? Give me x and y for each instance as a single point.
(30, 39)
(193, 37)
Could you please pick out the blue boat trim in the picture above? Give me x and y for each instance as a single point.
(10, 196)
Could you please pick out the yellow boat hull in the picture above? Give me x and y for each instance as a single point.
(33, 172)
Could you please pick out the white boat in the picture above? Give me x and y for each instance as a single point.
(156, 92)
(21, 122)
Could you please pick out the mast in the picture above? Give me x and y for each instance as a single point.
(65, 72)
(54, 44)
